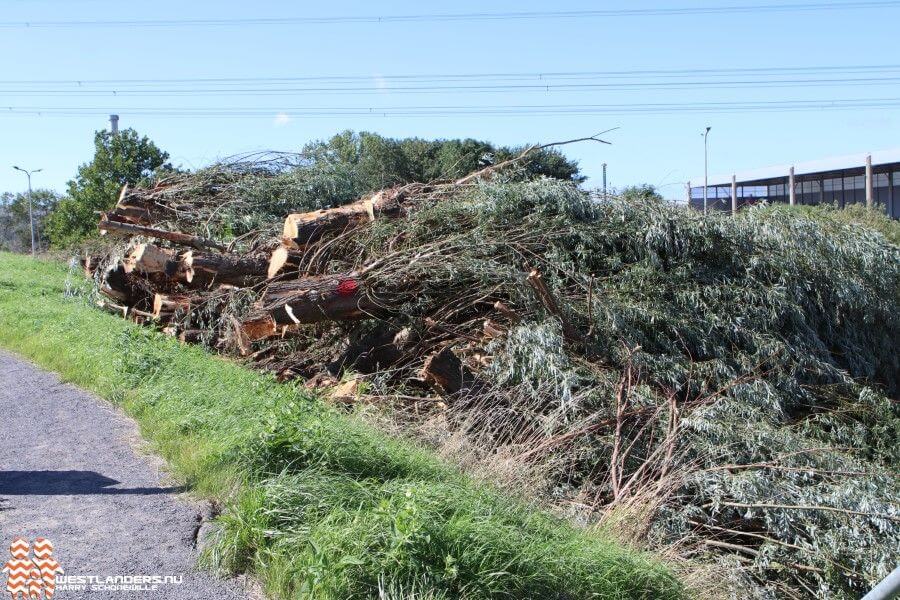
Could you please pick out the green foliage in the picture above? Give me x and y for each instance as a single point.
(378, 162)
(766, 342)
(853, 214)
(317, 504)
(641, 192)
(15, 227)
(126, 157)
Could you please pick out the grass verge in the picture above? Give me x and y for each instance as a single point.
(317, 504)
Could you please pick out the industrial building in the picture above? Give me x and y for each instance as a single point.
(872, 179)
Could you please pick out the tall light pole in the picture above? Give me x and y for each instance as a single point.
(705, 168)
(30, 207)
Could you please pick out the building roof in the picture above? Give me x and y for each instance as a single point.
(837, 163)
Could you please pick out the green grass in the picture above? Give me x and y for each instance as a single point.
(316, 504)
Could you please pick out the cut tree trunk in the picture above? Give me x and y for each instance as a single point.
(446, 372)
(126, 289)
(287, 304)
(89, 264)
(304, 228)
(147, 258)
(108, 225)
(284, 261)
(166, 305)
(200, 269)
(258, 328)
(214, 268)
(315, 299)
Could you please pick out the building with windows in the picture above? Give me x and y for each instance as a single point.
(872, 179)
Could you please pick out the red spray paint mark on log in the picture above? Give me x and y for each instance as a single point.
(347, 287)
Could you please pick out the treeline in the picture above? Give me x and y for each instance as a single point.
(361, 162)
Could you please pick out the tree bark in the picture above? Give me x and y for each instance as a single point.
(570, 333)
(199, 269)
(214, 268)
(315, 299)
(167, 305)
(147, 258)
(309, 300)
(283, 261)
(107, 225)
(446, 372)
(304, 228)
(126, 289)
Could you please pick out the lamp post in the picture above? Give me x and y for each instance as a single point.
(705, 168)
(30, 207)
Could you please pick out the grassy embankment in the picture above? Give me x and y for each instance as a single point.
(317, 505)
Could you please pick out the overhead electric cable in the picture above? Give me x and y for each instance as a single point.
(439, 111)
(462, 16)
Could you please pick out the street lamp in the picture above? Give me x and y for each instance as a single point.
(705, 167)
(30, 208)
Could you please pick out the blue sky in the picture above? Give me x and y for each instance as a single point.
(660, 149)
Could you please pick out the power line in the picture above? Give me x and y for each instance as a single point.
(463, 16)
(721, 72)
(280, 90)
(484, 110)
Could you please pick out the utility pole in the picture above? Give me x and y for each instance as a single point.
(604, 181)
(734, 201)
(705, 169)
(870, 188)
(792, 184)
(30, 207)
(114, 124)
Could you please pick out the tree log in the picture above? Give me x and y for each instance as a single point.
(446, 372)
(197, 268)
(214, 268)
(107, 225)
(304, 228)
(258, 328)
(315, 299)
(167, 305)
(89, 264)
(133, 214)
(309, 300)
(283, 260)
(126, 289)
(147, 258)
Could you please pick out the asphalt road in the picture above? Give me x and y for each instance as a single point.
(71, 471)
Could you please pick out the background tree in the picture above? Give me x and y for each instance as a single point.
(641, 192)
(375, 161)
(15, 225)
(126, 157)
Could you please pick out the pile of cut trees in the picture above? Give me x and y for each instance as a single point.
(257, 301)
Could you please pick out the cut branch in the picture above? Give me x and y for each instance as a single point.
(182, 239)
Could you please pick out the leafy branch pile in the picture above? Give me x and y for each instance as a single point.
(716, 385)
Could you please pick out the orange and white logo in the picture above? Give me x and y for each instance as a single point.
(31, 578)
